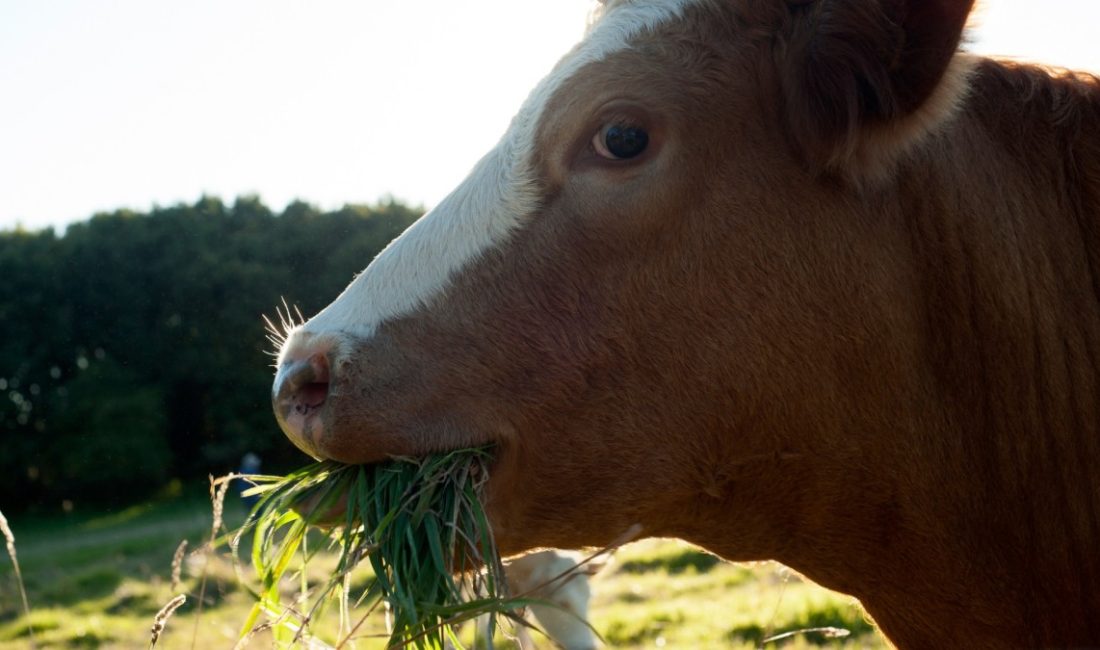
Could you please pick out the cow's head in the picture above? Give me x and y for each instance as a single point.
(648, 294)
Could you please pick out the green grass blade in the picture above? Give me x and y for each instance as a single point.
(409, 519)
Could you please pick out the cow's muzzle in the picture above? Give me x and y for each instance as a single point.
(298, 396)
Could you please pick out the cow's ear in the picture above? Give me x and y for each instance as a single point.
(860, 79)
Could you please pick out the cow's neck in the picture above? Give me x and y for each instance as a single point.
(996, 437)
(1008, 273)
(1012, 295)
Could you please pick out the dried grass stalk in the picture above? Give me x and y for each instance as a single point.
(218, 489)
(9, 538)
(161, 619)
(177, 565)
(823, 632)
(244, 640)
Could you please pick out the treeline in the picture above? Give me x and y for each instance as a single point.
(133, 351)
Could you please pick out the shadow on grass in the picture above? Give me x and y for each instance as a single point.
(134, 604)
(88, 585)
(37, 622)
(673, 563)
(641, 631)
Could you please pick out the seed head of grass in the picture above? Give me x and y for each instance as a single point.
(177, 565)
(419, 523)
(218, 489)
(161, 619)
(242, 642)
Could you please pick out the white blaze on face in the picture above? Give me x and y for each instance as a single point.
(499, 196)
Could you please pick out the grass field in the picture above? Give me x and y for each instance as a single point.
(97, 581)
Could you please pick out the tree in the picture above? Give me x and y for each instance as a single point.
(134, 348)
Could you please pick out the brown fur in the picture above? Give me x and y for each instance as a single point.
(891, 386)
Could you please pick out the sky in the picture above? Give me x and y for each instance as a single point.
(131, 103)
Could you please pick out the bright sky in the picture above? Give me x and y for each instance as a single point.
(130, 103)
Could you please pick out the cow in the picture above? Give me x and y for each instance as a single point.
(788, 279)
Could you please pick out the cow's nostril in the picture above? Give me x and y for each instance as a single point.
(318, 363)
(301, 389)
(310, 384)
(311, 396)
(315, 389)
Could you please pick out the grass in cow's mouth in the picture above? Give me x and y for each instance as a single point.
(420, 525)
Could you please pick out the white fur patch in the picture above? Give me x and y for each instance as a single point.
(497, 197)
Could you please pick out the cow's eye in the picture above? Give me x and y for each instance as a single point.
(620, 141)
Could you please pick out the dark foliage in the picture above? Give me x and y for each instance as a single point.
(133, 347)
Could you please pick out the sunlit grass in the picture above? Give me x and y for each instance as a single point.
(664, 593)
(98, 585)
